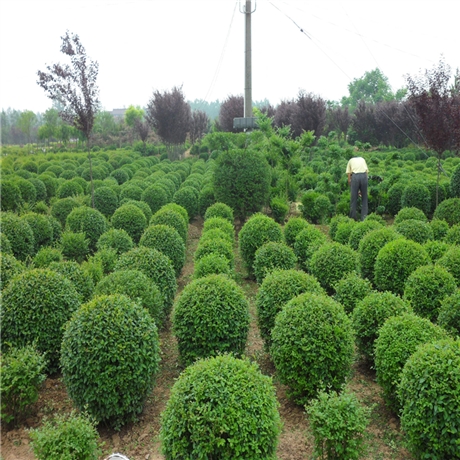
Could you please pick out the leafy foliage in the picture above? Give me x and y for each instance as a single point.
(449, 314)
(74, 246)
(173, 218)
(117, 239)
(350, 290)
(212, 264)
(218, 246)
(271, 256)
(9, 268)
(307, 241)
(19, 234)
(130, 218)
(187, 197)
(89, 221)
(448, 210)
(219, 210)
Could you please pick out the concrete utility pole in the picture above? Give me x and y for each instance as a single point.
(248, 63)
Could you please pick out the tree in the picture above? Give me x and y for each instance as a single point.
(142, 128)
(105, 125)
(309, 114)
(74, 86)
(26, 122)
(232, 107)
(199, 125)
(284, 115)
(133, 116)
(169, 114)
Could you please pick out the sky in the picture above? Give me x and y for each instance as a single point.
(319, 46)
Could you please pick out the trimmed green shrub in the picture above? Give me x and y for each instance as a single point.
(440, 228)
(187, 197)
(117, 239)
(74, 246)
(331, 262)
(178, 208)
(11, 196)
(19, 234)
(80, 279)
(41, 208)
(39, 188)
(110, 374)
(41, 228)
(107, 258)
(206, 198)
(280, 208)
(212, 264)
(344, 229)
(416, 195)
(105, 200)
(130, 191)
(455, 182)
(360, 230)
(429, 389)
(5, 245)
(28, 191)
(172, 218)
(60, 209)
(338, 422)
(69, 188)
(45, 256)
(215, 233)
(323, 360)
(157, 267)
(130, 218)
(166, 240)
(276, 290)
(238, 410)
(448, 210)
(22, 371)
(395, 262)
(369, 316)
(220, 223)
(9, 268)
(121, 175)
(309, 240)
(292, 228)
(334, 223)
(350, 290)
(36, 305)
(211, 316)
(142, 205)
(215, 246)
(449, 314)
(270, 256)
(89, 221)
(426, 287)
(155, 197)
(415, 230)
(398, 338)
(451, 261)
(436, 249)
(410, 213)
(453, 235)
(219, 210)
(258, 230)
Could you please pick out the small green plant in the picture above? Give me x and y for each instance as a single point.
(105, 200)
(173, 218)
(219, 210)
(292, 228)
(338, 422)
(220, 223)
(307, 241)
(9, 268)
(19, 234)
(22, 371)
(60, 209)
(415, 230)
(130, 218)
(449, 314)
(80, 279)
(448, 210)
(187, 197)
(66, 437)
(436, 249)
(155, 197)
(45, 256)
(350, 290)
(360, 230)
(410, 213)
(440, 228)
(270, 256)
(280, 208)
(89, 221)
(117, 239)
(212, 264)
(218, 246)
(74, 246)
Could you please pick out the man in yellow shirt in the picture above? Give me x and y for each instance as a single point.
(357, 172)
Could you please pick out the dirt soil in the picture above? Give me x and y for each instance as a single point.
(139, 441)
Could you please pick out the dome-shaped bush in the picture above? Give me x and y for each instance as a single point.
(45, 256)
(41, 228)
(258, 230)
(219, 223)
(451, 261)
(11, 196)
(28, 191)
(89, 221)
(448, 210)
(74, 246)
(449, 314)
(440, 228)
(212, 264)
(331, 262)
(219, 210)
(369, 316)
(39, 188)
(395, 262)
(344, 229)
(69, 188)
(292, 228)
(120, 175)
(130, 218)
(81, 280)
(187, 197)
(137, 286)
(453, 235)
(155, 197)
(9, 268)
(130, 192)
(206, 198)
(238, 410)
(117, 239)
(270, 256)
(36, 305)
(105, 200)
(211, 316)
(350, 290)
(394, 197)
(429, 389)
(216, 233)
(334, 223)
(276, 290)
(172, 218)
(410, 213)
(5, 245)
(19, 234)
(312, 345)
(157, 267)
(398, 338)
(436, 249)
(178, 208)
(308, 240)
(426, 287)
(360, 230)
(166, 240)
(111, 374)
(416, 195)
(415, 230)
(60, 209)
(215, 246)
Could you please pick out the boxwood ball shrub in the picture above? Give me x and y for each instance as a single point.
(9, 268)
(172, 218)
(453, 235)
(410, 213)
(395, 262)
(308, 240)
(258, 230)
(28, 191)
(429, 389)
(237, 407)
(415, 230)
(155, 197)
(130, 218)
(142, 205)
(60, 209)
(117, 239)
(219, 210)
(157, 267)
(324, 359)
(292, 228)
(5, 244)
(218, 246)
(276, 290)
(187, 197)
(280, 208)
(36, 305)
(178, 208)
(89, 221)
(69, 188)
(212, 264)
(360, 230)
(11, 196)
(350, 290)
(418, 196)
(451, 261)
(166, 240)
(427, 287)
(334, 223)
(45, 256)
(216, 233)
(436, 249)
(81, 280)
(105, 200)
(398, 339)
(130, 191)
(449, 314)
(440, 228)
(344, 229)
(271, 256)
(41, 228)
(369, 316)
(448, 210)
(220, 223)
(74, 246)
(111, 374)
(19, 234)
(210, 317)
(331, 262)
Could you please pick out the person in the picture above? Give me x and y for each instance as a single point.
(357, 172)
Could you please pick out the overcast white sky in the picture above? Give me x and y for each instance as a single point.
(144, 45)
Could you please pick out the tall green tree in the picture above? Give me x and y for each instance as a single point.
(26, 123)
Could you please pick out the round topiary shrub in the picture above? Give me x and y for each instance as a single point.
(142, 205)
(117, 239)
(120, 175)
(440, 228)
(130, 218)
(11, 196)
(28, 191)
(111, 374)
(130, 192)
(215, 233)
(331, 262)
(369, 316)
(410, 213)
(158, 268)
(60, 209)
(219, 223)
(45, 256)
(36, 305)
(276, 290)
(215, 246)
(206, 198)
(453, 235)
(344, 229)
(309, 240)
(415, 230)
(41, 228)
(395, 262)
(166, 240)
(40, 189)
(426, 287)
(89, 221)
(19, 234)
(398, 338)
(81, 280)
(219, 210)
(155, 197)
(74, 246)
(212, 264)
(5, 244)
(449, 314)
(436, 249)
(322, 361)
(394, 197)
(451, 262)
(172, 218)
(350, 290)
(9, 268)
(238, 410)
(360, 230)
(187, 197)
(334, 223)
(69, 188)
(178, 208)
(416, 195)
(258, 230)
(448, 210)
(210, 317)
(105, 200)
(455, 182)
(429, 389)
(279, 207)
(271, 256)
(292, 228)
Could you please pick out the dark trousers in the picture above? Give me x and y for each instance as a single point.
(358, 184)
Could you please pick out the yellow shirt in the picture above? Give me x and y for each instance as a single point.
(357, 165)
